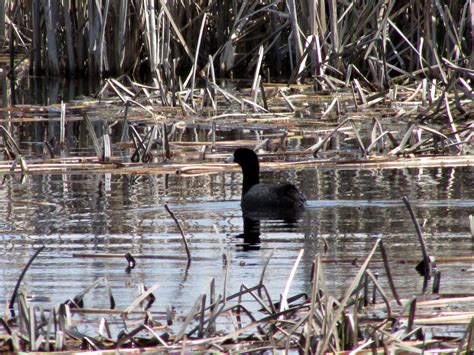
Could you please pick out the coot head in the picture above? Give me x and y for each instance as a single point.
(248, 161)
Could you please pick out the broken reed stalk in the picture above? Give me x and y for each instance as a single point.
(196, 56)
(124, 137)
(467, 338)
(151, 135)
(10, 141)
(165, 142)
(378, 287)
(140, 299)
(323, 346)
(78, 300)
(255, 86)
(139, 145)
(424, 250)
(264, 269)
(287, 101)
(19, 159)
(389, 273)
(411, 316)
(189, 318)
(188, 252)
(314, 296)
(15, 291)
(284, 296)
(316, 147)
(93, 136)
(62, 128)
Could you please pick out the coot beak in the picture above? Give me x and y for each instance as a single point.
(229, 159)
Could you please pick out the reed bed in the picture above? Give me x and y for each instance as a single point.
(364, 81)
(327, 43)
(130, 131)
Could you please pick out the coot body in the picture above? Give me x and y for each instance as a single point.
(266, 199)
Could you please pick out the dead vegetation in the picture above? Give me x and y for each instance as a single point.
(367, 318)
(380, 80)
(330, 43)
(131, 132)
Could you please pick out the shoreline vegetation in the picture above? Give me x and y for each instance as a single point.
(328, 44)
(327, 84)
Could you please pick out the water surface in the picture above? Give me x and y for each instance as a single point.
(73, 214)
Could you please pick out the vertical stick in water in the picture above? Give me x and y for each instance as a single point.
(436, 281)
(424, 250)
(107, 148)
(166, 144)
(188, 252)
(262, 90)
(62, 128)
(471, 224)
(411, 315)
(213, 136)
(125, 136)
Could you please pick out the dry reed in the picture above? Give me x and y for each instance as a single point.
(329, 41)
(314, 323)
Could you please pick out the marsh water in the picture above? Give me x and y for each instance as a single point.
(346, 212)
(87, 221)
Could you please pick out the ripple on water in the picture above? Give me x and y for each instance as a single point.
(346, 212)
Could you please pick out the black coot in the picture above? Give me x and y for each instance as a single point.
(272, 200)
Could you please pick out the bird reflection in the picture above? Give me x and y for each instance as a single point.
(252, 223)
(251, 234)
